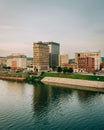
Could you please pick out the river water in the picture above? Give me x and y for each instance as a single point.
(41, 107)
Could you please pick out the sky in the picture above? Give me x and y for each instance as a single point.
(78, 25)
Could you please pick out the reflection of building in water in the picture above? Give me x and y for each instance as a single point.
(19, 87)
(44, 95)
(41, 97)
(85, 95)
(59, 92)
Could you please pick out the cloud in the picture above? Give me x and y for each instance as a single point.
(11, 27)
(77, 25)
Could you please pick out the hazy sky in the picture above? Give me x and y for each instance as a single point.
(78, 25)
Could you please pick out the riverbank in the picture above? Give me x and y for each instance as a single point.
(74, 76)
(75, 83)
(13, 77)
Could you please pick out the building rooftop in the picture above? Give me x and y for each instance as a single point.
(55, 43)
(88, 51)
(16, 55)
(40, 42)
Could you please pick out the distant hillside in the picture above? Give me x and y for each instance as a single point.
(29, 58)
(71, 60)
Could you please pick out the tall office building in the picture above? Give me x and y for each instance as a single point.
(96, 55)
(40, 56)
(54, 51)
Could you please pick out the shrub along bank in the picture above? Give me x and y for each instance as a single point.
(74, 76)
(32, 79)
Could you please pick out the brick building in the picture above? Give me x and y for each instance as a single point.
(86, 64)
(93, 54)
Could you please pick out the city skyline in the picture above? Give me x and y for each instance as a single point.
(77, 25)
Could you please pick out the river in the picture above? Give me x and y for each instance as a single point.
(42, 107)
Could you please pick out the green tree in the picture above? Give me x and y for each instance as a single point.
(94, 73)
(70, 70)
(8, 67)
(53, 67)
(59, 69)
(65, 69)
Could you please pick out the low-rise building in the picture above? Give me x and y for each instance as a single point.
(63, 59)
(72, 65)
(86, 64)
(16, 61)
(30, 66)
(93, 54)
(3, 61)
(29, 61)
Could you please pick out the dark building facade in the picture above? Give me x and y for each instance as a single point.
(54, 51)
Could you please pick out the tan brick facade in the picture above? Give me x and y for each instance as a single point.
(41, 56)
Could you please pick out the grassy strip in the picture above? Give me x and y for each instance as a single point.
(74, 76)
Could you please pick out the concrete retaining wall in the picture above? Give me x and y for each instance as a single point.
(75, 83)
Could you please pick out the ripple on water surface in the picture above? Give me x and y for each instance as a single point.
(24, 106)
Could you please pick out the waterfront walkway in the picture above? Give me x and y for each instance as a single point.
(74, 83)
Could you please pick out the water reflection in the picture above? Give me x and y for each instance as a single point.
(15, 87)
(85, 97)
(39, 106)
(45, 95)
(58, 92)
(40, 97)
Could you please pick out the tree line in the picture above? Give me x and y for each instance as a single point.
(62, 69)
